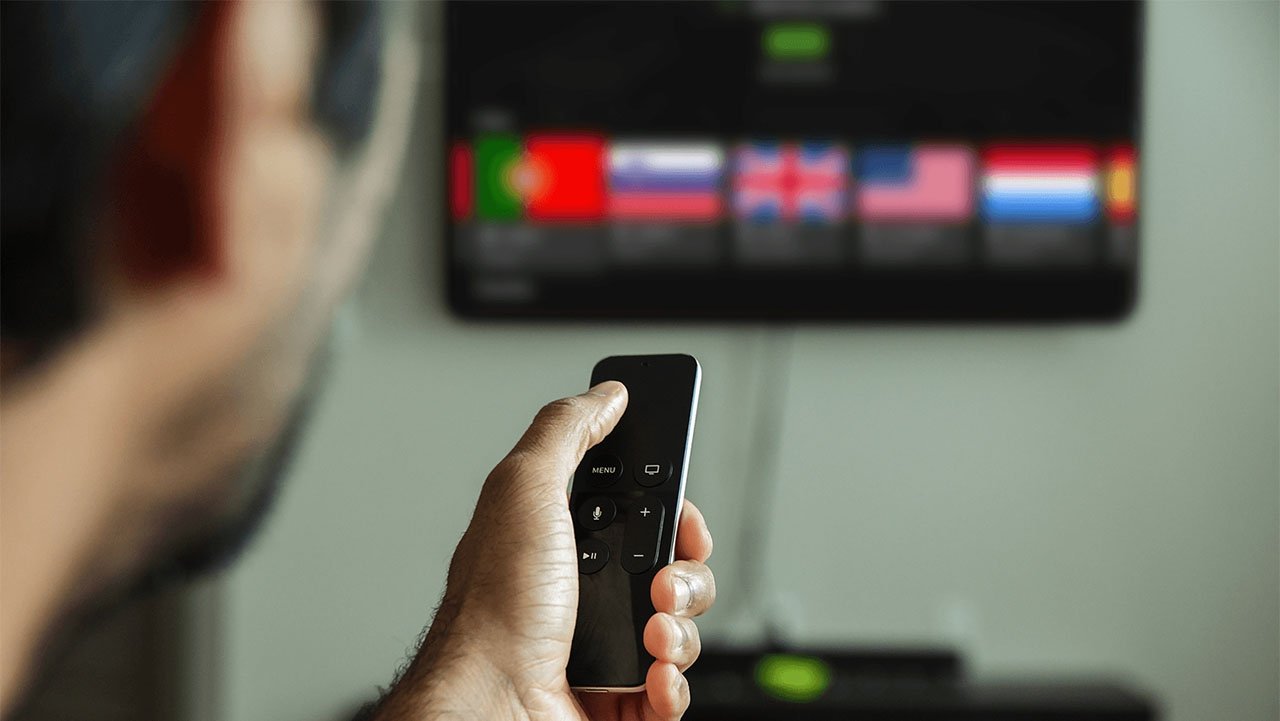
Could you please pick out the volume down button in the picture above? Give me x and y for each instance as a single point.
(644, 531)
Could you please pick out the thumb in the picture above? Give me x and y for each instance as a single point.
(564, 429)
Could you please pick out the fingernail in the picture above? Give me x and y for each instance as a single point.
(683, 592)
(680, 633)
(678, 687)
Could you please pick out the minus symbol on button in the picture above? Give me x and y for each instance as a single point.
(637, 555)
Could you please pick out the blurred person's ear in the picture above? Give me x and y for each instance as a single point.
(215, 198)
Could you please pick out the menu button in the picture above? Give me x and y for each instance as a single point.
(603, 469)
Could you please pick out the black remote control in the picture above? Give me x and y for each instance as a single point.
(626, 501)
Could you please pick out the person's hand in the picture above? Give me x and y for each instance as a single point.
(500, 642)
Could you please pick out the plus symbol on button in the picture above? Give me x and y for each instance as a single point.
(645, 511)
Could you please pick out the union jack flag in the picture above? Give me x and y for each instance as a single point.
(790, 181)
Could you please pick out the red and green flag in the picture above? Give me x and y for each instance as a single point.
(544, 177)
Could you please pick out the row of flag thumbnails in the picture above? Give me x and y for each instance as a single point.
(577, 178)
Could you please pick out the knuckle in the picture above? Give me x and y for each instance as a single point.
(564, 420)
(594, 430)
(561, 409)
(688, 641)
(682, 695)
(503, 478)
(511, 465)
(702, 585)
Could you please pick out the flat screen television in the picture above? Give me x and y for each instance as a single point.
(840, 160)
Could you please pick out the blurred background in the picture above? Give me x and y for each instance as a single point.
(1048, 500)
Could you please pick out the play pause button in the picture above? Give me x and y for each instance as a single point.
(592, 555)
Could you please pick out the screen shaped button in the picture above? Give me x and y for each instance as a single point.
(644, 531)
(592, 555)
(652, 471)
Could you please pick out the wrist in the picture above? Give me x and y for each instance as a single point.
(452, 678)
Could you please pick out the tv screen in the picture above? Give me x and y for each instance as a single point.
(808, 160)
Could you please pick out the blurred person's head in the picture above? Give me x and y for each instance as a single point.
(188, 190)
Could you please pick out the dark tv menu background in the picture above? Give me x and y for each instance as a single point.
(1046, 79)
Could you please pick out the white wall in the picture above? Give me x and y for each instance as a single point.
(1056, 499)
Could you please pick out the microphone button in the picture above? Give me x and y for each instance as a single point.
(596, 512)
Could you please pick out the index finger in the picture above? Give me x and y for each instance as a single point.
(693, 539)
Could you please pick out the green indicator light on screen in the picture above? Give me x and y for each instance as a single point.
(796, 41)
(799, 679)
